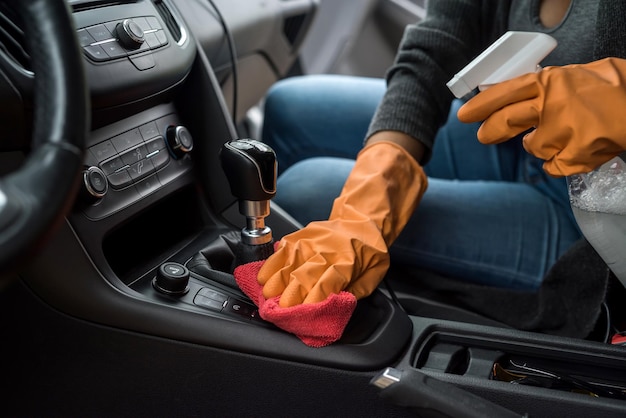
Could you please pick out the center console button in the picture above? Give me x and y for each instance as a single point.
(84, 38)
(212, 294)
(160, 159)
(120, 179)
(96, 53)
(127, 140)
(149, 131)
(155, 145)
(152, 40)
(161, 37)
(208, 303)
(103, 150)
(99, 33)
(113, 49)
(141, 169)
(112, 165)
(240, 308)
(153, 22)
(134, 155)
(142, 22)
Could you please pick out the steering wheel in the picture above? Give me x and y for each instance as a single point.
(35, 198)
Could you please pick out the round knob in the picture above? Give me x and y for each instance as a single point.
(130, 34)
(172, 279)
(95, 184)
(179, 140)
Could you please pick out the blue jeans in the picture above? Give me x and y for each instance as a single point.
(490, 214)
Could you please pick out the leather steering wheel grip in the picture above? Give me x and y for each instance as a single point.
(35, 198)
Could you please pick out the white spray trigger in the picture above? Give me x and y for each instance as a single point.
(513, 54)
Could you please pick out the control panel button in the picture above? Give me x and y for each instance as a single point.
(209, 303)
(120, 179)
(148, 185)
(239, 308)
(99, 33)
(84, 38)
(212, 294)
(142, 22)
(112, 165)
(134, 155)
(153, 22)
(112, 25)
(160, 159)
(152, 40)
(127, 140)
(103, 150)
(155, 145)
(149, 131)
(96, 53)
(161, 37)
(113, 49)
(141, 169)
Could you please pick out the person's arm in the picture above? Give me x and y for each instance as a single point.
(417, 100)
(349, 251)
(413, 147)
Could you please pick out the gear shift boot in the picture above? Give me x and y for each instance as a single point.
(218, 260)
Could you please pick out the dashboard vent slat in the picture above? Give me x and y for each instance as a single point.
(12, 40)
(169, 20)
(292, 27)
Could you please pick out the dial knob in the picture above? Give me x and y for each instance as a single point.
(179, 140)
(95, 184)
(130, 34)
(172, 279)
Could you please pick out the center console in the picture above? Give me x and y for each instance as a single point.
(170, 203)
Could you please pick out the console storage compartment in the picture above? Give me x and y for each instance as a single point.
(532, 373)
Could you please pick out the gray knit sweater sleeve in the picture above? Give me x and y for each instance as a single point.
(417, 100)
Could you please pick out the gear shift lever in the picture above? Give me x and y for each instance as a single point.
(250, 167)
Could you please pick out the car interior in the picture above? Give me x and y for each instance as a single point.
(132, 165)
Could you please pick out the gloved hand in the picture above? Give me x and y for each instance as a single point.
(349, 250)
(577, 110)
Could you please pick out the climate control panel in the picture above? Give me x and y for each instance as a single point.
(125, 167)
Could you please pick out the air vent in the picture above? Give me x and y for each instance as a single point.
(12, 41)
(169, 20)
(292, 27)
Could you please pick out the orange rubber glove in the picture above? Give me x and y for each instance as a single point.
(349, 250)
(578, 112)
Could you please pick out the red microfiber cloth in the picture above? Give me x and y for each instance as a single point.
(316, 324)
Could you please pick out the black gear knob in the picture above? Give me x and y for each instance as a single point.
(250, 167)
